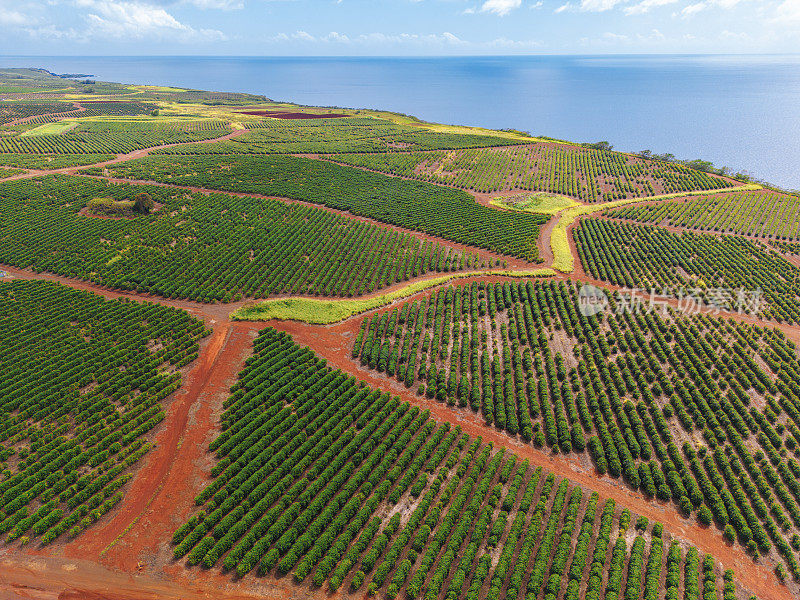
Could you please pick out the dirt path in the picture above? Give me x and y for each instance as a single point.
(70, 113)
(333, 343)
(57, 578)
(150, 483)
(543, 244)
(119, 158)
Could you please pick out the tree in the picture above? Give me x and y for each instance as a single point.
(143, 203)
(604, 145)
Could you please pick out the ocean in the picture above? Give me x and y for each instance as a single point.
(738, 111)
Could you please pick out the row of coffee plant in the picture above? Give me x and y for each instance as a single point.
(699, 411)
(590, 175)
(719, 270)
(447, 213)
(354, 134)
(763, 214)
(346, 488)
(206, 247)
(83, 382)
(115, 137)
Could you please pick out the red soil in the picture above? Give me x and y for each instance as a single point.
(163, 477)
(276, 114)
(57, 578)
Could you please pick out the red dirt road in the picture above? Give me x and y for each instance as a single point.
(163, 463)
(56, 578)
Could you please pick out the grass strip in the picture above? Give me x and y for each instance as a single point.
(326, 312)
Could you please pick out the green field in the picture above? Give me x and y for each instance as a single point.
(50, 129)
(542, 203)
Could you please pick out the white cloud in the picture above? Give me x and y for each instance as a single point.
(337, 37)
(590, 6)
(692, 9)
(217, 4)
(599, 5)
(788, 11)
(444, 39)
(134, 20)
(645, 5)
(504, 42)
(500, 7)
(12, 17)
(304, 36)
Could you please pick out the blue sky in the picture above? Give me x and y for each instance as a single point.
(397, 27)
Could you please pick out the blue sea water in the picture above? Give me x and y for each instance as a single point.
(739, 111)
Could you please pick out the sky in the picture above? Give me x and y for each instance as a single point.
(397, 27)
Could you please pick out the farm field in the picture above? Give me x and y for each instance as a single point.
(4, 172)
(353, 134)
(54, 128)
(450, 214)
(51, 161)
(211, 248)
(763, 214)
(666, 403)
(69, 441)
(423, 511)
(254, 349)
(582, 173)
(21, 110)
(112, 137)
(647, 257)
